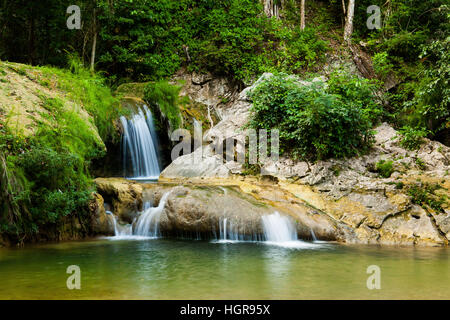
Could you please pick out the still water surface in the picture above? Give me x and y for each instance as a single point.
(183, 269)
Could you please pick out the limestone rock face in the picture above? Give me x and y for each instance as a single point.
(338, 199)
(200, 209)
(125, 196)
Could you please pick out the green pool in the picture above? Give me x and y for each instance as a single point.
(188, 269)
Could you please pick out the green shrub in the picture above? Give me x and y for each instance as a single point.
(425, 196)
(356, 92)
(382, 65)
(412, 138)
(59, 184)
(385, 168)
(314, 122)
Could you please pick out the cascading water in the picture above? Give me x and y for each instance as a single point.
(140, 145)
(228, 232)
(279, 228)
(281, 231)
(147, 224)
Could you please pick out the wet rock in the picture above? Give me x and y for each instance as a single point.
(101, 223)
(201, 209)
(124, 195)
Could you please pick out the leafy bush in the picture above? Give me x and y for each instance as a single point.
(412, 138)
(382, 65)
(425, 195)
(59, 184)
(314, 121)
(432, 98)
(356, 92)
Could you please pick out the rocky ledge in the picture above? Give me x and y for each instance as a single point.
(197, 206)
(351, 200)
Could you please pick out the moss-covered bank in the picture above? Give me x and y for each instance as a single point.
(53, 124)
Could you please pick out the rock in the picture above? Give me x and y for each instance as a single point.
(125, 196)
(101, 222)
(410, 228)
(200, 210)
(357, 205)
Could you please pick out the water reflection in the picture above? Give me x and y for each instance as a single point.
(173, 269)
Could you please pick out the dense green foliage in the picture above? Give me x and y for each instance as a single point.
(151, 39)
(51, 167)
(412, 50)
(315, 121)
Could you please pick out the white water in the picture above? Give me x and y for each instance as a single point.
(198, 134)
(145, 226)
(140, 144)
(281, 231)
(279, 228)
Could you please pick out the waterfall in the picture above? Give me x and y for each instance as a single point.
(140, 144)
(147, 224)
(198, 134)
(119, 230)
(279, 228)
(313, 235)
(144, 226)
(281, 231)
(228, 232)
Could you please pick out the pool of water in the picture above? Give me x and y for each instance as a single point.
(183, 269)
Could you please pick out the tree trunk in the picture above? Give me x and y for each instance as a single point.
(94, 44)
(271, 9)
(94, 41)
(348, 29)
(302, 15)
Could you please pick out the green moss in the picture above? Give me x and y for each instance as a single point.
(165, 96)
(421, 164)
(48, 172)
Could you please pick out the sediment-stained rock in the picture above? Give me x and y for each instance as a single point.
(125, 196)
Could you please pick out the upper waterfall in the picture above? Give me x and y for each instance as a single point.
(140, 144)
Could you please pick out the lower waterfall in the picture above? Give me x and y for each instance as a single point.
(279, 228)
(144, 226)
(147, 224)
